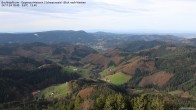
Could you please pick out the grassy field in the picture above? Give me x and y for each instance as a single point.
(57, 91)
(118, 78)
(71, 69)
(106, 71)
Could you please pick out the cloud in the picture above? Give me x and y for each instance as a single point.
(129, 15)
(121, 6)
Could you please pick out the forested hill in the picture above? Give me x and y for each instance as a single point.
(33, 55)
(146, 75)
(46, 37)
(99, 40)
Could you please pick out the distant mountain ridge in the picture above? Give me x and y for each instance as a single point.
(98, 40)
(46, 37)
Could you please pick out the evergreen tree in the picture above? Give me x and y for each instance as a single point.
(100, 102)
(115, 102)
(138, 103)
(77, 103)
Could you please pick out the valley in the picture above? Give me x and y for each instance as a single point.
(76, 70)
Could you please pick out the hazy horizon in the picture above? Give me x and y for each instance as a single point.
(106, 31)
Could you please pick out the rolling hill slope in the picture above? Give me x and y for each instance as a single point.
(154, 74)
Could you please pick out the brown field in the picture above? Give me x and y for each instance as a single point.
(97, 59)
(86, 92)
(159, 79)
(130, 67)
(143, 63)
(116, 59)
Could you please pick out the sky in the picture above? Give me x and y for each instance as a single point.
(120, 16)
